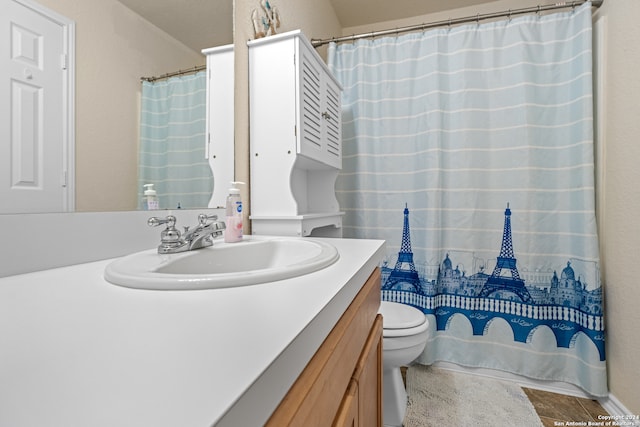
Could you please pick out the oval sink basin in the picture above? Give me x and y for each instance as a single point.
(253, 261)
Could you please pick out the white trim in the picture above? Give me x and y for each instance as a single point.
(600, 119)
(614, 407)
(69, 89)
(70, 118)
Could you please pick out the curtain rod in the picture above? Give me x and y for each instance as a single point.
(507, 13)
(175, 73)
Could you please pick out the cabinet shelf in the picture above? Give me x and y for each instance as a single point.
(321, 224)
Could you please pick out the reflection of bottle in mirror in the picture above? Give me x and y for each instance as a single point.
(233, 230)
(150, 201)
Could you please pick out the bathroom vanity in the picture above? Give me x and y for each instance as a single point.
(342, 385)
(79, 351)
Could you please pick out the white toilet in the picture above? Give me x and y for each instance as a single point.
(403, 340)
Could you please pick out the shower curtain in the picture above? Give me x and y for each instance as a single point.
(172, 142)
(470, 151)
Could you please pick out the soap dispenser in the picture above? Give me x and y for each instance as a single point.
(233, 230)
(150, 201)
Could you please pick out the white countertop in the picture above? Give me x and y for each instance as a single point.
(76, 350)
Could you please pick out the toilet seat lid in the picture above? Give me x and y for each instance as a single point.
(400, 316)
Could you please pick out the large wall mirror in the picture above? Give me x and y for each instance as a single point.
(117, 43)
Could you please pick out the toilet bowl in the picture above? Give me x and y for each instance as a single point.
(403, 340)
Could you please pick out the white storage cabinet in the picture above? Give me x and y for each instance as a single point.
(220, 120)
(296, 138)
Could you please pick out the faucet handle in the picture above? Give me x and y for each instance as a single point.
(154, 221)
(170, 237)
(203, 218)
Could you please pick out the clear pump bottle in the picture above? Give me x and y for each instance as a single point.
(150, 200)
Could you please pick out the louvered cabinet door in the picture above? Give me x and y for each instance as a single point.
(320, 109)
(332, 120)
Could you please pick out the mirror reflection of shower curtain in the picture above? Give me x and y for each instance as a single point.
(470, 151)
(172, 142)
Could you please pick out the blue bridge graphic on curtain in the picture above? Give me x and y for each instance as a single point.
(564, 305)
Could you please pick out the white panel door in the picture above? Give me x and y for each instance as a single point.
(34, 110)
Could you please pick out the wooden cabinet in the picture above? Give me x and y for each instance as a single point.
(342, 384)
(295, 120)
(349, 409)
(368, 375)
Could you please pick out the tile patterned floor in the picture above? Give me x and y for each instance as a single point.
(555, 409)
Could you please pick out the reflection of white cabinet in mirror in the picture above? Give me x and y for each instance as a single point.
(296, 139)
(220, 119)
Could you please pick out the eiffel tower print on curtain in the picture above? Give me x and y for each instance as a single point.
(506, 260)
(562, 302)
(405, 269)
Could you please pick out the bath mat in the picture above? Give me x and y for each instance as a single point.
(440, 397)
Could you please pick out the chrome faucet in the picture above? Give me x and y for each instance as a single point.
(201, 236)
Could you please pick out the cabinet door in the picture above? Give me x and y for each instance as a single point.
(348, 413)
(320, 111)
(332, 121)
(310, 108)
(368, 374)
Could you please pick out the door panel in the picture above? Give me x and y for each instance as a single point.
(34, 139)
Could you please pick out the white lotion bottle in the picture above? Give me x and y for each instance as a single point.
(150, 198)
(233, 230)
